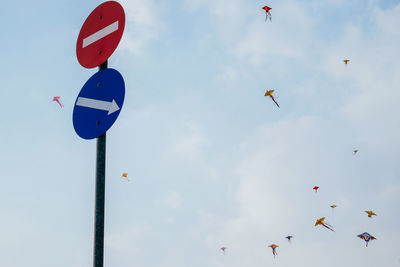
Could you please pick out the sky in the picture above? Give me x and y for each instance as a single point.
(212, 162)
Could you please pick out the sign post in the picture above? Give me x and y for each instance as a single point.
(98, 250)
(101, 98)
(98, 253)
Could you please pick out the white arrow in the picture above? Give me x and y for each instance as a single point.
(111, 107)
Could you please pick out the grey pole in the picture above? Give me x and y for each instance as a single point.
(98, 253)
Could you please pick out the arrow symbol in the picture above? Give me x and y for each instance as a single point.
(111, 107)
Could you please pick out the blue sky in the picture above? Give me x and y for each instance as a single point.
(212, 162)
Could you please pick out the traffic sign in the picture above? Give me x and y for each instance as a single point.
(100, 34)
(99, 103)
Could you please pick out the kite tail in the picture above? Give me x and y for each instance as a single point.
(273, 99)
(328, 228)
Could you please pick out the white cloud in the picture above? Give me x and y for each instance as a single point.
(188, 142)
(374, 73)
(173, 200)
(279, 165)
(391, 191)
(241, 28)
(125, 246)
(143, 25)
(228, 17)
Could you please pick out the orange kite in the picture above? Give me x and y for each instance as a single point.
(125, 175)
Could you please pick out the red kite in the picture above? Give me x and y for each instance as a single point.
(267, 13)
(223, 249)
(273, 246)
(269, 93)
(57, 99)
(316, 188)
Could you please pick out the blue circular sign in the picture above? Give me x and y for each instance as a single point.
(98, 104)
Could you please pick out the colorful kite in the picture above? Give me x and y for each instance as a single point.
(289, 237)
(324, 224)
(267, 13)
(367, 237)
(346, 61)
(57, 99)
(223, 249)
(273, 246)
(316, 188)
(269, 93)
(125, 175)
(370, 213)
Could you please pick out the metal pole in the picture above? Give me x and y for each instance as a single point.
(98, 253)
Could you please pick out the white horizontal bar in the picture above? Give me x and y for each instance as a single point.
(100, 34)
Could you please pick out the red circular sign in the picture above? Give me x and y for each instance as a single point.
(100, 34)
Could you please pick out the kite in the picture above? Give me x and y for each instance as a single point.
(57, 99)
(269, 93)
(267, 13)
(125, 175)
(367, 237)
(316, 188)
(346, 61)
(273, 246)
(326, 225)
(355, 151)
(223, 249)
(370, 213)
(289, 237)
(333, 207)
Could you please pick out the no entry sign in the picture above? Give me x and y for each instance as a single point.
(100, 34)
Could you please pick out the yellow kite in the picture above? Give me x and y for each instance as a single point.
(324, 224)
(269, 93)
(370, 213)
